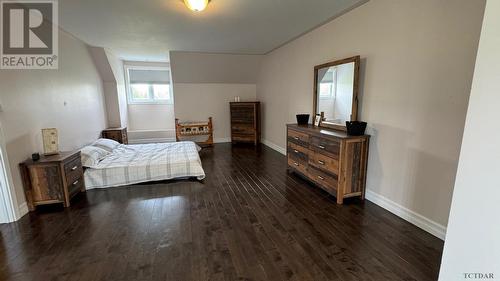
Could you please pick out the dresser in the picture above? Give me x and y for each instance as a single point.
(331, 159)
(117, 134)
(245, 122)
(52, 179)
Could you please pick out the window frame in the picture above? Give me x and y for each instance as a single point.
(333, 87)
(151, 99)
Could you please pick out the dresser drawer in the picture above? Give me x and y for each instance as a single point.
(243, 114)
(297, 165)
(329, 147)
(298, 152)
(298, 138)
(73, 170)
(324, 163)
(243, 130)
(324, 180)
(243, 137)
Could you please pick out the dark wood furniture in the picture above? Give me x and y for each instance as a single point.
(117, 134)
(186, 130)
(52, 179)
(331, 159)
(245, 122)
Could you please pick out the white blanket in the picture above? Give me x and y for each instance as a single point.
(130, 164)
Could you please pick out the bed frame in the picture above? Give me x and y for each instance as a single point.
(185, 130)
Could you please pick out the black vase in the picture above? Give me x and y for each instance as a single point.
(302, 119)
(355, 128)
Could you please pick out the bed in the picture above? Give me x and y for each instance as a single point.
(131, 164)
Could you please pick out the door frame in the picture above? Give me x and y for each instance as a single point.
(8, 198)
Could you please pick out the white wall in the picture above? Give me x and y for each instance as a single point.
(204, 84)
(150, 122)
(69, 99)
(116, 65)
(197, 102)
(473, 238)
(417, 65)
(110, 69)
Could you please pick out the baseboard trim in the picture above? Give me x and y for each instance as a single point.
(152, 140)
(23, 210)
(222, 140)
(274, 146)
(412, 217)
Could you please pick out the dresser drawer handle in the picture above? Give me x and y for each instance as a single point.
(321, 162)
(75, 183)
(296, 151)
(74, 168)
(321, 146)
(296, 164)
(321, 178)
(296, 138)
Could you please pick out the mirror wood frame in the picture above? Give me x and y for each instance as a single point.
(354, 111)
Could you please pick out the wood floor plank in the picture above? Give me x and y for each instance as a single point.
(247, 220)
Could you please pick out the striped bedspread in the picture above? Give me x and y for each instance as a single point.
(130, 164)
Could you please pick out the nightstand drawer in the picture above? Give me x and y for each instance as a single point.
(75, 186)
(73, 170)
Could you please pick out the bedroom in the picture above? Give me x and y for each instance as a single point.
(426, 88)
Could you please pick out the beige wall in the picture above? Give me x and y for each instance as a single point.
(204, 84)
(191, 67)
(117, 69)
(417, 64)
(473, 232)
(197, 102)
(150, 122)
(69, 99)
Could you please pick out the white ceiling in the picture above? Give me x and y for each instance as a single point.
(148, 29)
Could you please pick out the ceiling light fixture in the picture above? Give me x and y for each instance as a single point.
(196, 5)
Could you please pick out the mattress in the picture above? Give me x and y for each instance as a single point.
(131, 164)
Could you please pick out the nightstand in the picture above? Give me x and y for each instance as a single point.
(117, 134)
(52, 179)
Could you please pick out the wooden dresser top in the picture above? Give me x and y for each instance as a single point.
(60, 157)
(321, 131)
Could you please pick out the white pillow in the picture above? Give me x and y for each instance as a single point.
(106, 144)
(91, 155)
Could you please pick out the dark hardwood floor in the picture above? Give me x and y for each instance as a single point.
(248, 220)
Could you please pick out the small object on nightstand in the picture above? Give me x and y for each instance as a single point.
(116, 134)
(52, 179)
(50, 141)
(35, 156)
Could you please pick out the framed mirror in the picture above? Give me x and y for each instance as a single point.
(336, 92)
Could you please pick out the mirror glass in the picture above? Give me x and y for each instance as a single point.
(335, 93)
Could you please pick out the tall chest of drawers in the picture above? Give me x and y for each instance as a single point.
(245, 122)
(332, 160)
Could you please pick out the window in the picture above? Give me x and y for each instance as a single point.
(327, 84)
(149, 85)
